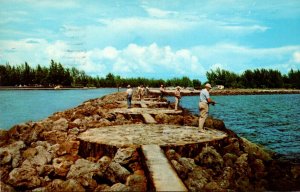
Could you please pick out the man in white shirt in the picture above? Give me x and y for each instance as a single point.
(129, 92)
(205, 100)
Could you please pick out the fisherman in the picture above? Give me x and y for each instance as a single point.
(161, 90)
(205, 100)
(129, 92)
(177, 97)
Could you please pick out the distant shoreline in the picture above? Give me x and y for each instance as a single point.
(184, 92)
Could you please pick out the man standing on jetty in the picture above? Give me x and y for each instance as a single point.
(129, 92)
(205, 100)
(177, 97)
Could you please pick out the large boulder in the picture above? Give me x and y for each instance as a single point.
(241, 166)
(6, 188)
(25, 177)
(209, 157)
(124, 156)
(197, 179)
(117, 172)
(62, 165)
(59, 185)
(256, 151)
(137, 182)
(11, 154)
(83, 171)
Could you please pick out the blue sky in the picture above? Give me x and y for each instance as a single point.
(154, 39)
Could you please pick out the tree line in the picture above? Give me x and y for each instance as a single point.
(257, 78)
(56, 74)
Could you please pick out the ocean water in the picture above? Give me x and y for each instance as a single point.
(269, 120)
(19, 106)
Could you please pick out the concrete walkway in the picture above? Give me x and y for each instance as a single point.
(163, 176)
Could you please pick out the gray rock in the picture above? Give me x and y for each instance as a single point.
(188, 163)
(121, 173)
(11, 153)
(60, 125)
(126, 155)
(83, 172)
(137, 182)
(6, 188)
(197, 179)
(119, 187)
(24, 176)
(180, 169)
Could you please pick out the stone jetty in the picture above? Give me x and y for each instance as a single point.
(101, 145)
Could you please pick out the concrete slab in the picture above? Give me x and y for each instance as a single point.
(163, 176)
(149, 134)
(148, 118)
(145, 110)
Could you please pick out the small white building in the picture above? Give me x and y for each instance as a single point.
(220, 86)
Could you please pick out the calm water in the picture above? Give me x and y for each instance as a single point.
(270, 120)
(18, 106)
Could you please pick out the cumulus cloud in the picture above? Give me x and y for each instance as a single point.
(296, 57)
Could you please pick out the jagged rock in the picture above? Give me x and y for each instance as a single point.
(119, 187)
(233, 147)
(25, 176)
(137, 182)
(197, 179)
(77, 121)
(102, 187)
(62, 165)
(4, 172)
(83, 172)
(103, 164)
(59, 185)
(5, 157)
(120, 172)
(241, 165)
(110, 116)
(54, 136)
(176, 120)
(295, 170)
(162, 118)
(210, 157)
(256, 151)
(38, 158)
(226, 180)
(6, 188)
(4, 137)
(243, 184)
(126, 155)
(60, 124)
(171, 154)
(229, 159)
(29, 153)
(70, 147)
(11, 153)
(188, 163)
(135, 166)
(259, 168)
(180, 169)
(209, 122)
(40, 189)
(213, 186)
(73, 133)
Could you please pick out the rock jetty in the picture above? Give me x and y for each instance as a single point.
(103, 146)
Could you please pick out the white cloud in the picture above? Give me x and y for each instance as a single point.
(155, 12)
(296, 57)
